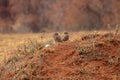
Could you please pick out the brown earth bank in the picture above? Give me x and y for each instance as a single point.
(93, 57)
(47, 15)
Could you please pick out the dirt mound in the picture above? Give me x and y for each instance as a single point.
(76, 60)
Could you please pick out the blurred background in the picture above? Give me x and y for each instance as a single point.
(32, 16)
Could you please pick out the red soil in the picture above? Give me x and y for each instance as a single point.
(77, 60)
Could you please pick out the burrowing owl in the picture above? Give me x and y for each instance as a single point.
(65, 37)
(57, 37)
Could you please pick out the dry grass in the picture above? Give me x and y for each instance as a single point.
(10, 42)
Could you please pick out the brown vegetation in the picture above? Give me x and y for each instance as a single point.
(46, 15)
